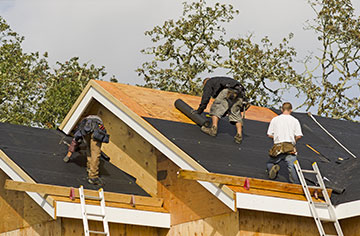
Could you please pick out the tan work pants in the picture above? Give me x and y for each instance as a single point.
(93, 156)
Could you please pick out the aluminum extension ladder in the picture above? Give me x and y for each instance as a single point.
(317, 205)
(99, 217)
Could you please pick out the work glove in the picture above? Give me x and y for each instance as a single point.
(196, 112)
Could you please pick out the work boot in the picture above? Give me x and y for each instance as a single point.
(273, 171)
(66, 159)
(210, 131)
(238, 138)
(95, 181)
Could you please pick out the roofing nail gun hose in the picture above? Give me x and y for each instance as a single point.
(186, 109)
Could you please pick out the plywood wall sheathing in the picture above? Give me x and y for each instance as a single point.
(221, 225)
(269, 224)
(50, 228)
(351, 226)
(186, 200)
(17, 209)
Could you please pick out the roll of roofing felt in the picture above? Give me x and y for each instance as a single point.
(186, 109)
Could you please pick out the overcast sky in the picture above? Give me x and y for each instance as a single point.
(110, 33)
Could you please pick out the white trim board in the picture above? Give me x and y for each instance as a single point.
(348, 209)
(292, 207)
(35, 196)
(94, 94)
(115, 215)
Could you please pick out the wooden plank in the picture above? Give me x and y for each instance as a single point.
(113, 204)
(239, 181)
(65, 191)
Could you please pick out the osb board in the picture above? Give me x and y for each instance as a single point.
(160, 104)
(351, 226)
(127, 149)
(72, 227)
(51, 228)
(17, 209)
(257, 223)
(221, 225)
(186, 200)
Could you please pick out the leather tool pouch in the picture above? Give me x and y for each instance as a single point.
(232, 94)
(282, 148)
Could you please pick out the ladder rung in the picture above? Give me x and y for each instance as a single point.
(321, 204)
(315, 187)
(331, 235)
(93, 198)
(309, 171)
(326, 219)
(97, 232)
(94, 214)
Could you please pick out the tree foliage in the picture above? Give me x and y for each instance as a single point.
(186, 47)
(30, 92)
(337, 75)
(257, 66)
(196, 43)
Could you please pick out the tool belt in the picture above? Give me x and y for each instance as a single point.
(101, 135)
(282, 148)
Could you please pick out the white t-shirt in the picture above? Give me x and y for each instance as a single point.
(284, 128)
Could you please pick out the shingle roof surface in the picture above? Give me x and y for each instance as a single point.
(222, 155)
(39, 152)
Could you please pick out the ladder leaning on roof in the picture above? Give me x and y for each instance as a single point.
(314, 205)
(99, 217)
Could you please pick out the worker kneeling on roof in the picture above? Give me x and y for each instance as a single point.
(230, 99)
(92, 133)
(285, 130)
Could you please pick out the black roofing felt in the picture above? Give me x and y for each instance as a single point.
(221, 154)
(39, 152)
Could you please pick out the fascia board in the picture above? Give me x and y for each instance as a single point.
(348, 209)
(115, 215)
(92, 93)
(35, 196)
(276, 205)
(292, 207)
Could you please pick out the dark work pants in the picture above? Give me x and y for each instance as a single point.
(289, 159)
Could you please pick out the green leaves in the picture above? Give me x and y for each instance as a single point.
(186, 47)
(336, 79)
(195, 44)
(32, 94)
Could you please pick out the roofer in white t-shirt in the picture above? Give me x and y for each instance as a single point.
(285, 130)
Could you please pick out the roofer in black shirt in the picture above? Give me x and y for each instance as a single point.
(230, 100)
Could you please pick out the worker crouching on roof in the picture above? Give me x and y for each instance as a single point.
(92, 132)
(285, 130)
(230, 99)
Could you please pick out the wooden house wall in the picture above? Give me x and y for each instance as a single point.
(351, 226)
(18, 210)
(250, 223)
